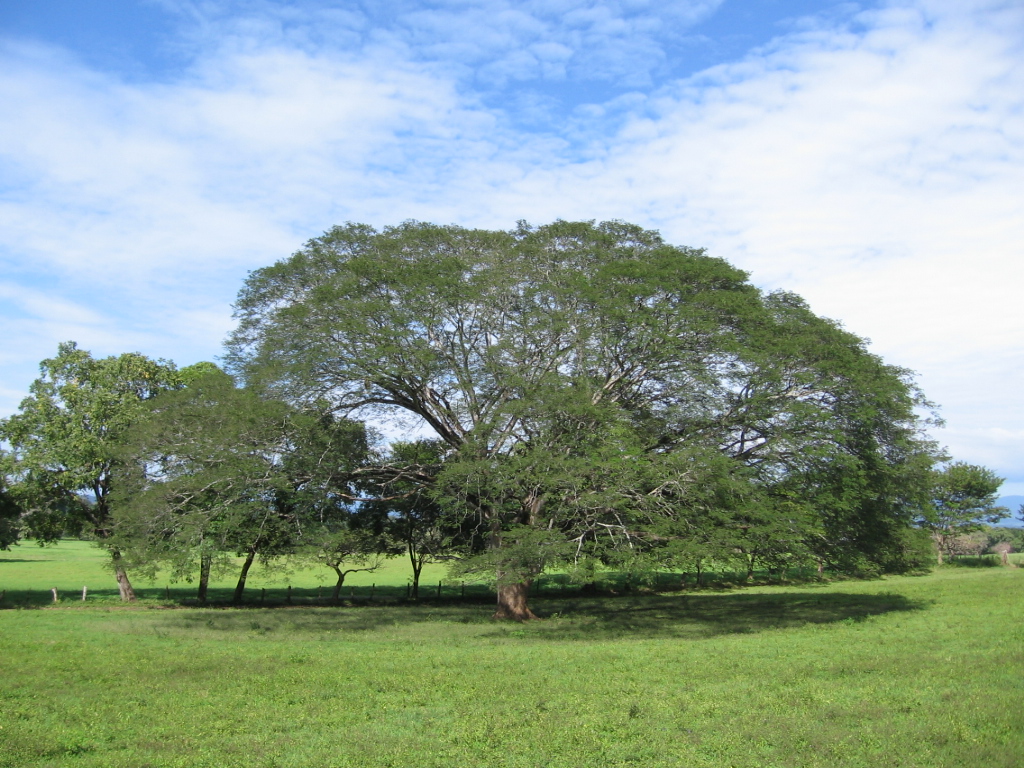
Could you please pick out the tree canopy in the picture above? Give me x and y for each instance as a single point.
(215, 470)
(601, 392)
(66, 437)
(962, 500)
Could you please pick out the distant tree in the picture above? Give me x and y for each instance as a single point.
(584, 377)
(346, 550)
(1003, 549)
(405, 509)
(1005, 535)
(962, 501)
(66, 439)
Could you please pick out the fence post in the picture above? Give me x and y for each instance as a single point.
(289, 598)
(439, 590)
(85, 591)
(373, 589)
(54, 590)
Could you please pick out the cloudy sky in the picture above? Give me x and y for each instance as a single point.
(867, 155)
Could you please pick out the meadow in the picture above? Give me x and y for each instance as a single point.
(903, 671)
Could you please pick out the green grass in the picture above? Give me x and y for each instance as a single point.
(29, 572)
(910, 671)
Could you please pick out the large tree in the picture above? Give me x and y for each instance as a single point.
(66, 438)
(589, 379)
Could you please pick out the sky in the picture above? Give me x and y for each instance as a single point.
(866, 155)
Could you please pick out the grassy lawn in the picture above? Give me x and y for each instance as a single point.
(909, 671)
(28, 572)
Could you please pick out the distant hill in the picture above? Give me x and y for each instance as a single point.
(1012, 503)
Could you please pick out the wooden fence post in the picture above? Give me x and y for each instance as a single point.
(85, 591)
(439, 589)
(54, 590)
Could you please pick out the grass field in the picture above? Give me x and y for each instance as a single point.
(909, 671)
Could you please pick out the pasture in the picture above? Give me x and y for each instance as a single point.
(906, 671)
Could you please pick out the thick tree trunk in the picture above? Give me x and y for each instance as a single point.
(123, 585)
(205, 562)
(512, 598)
(512, 602)
(240, 586)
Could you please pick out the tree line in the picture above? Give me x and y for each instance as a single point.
(583, 396)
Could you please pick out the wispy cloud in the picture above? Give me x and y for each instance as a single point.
(868, 160)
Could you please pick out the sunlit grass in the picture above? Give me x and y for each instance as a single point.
(925, 671)
(28, 573)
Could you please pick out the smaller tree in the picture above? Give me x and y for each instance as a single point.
(216, 469)
(404, 508)
(66, 439)
(347, 550)
(962, 501)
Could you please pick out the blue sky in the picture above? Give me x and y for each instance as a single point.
(867, 155)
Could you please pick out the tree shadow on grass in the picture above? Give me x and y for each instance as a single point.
(580, 619)
(697, 616)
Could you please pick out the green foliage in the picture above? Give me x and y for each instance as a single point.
(588, 380)
(962, 500)
(406, 512)
(214, 469)
(66, 438)
(1012, 536)
(10, 508)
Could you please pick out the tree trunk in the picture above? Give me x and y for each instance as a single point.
(205, 562)
(417, 568)
(512, 602)
(240, 586)
(336, 592)
(123, 585)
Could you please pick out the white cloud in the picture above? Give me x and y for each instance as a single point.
(874, 168)
(877, 173)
